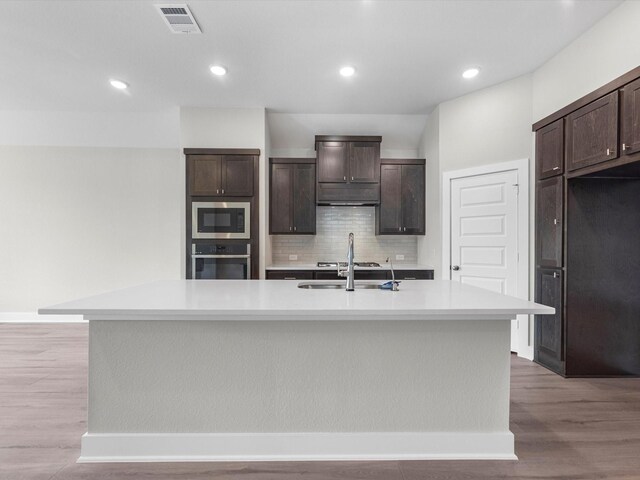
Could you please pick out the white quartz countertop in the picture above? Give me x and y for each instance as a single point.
(313, 266)
(283, 300)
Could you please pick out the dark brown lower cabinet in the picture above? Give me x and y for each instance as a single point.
(413, 274)
(290, 274)
(549, 328)
(360, 275)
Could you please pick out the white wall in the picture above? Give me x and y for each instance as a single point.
(90, 129)
(430, 246)
(230, 128)
(485, 127)
(76, 221)
(604, 52)
(293, 135)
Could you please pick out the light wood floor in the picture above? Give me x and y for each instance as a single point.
(565, 429)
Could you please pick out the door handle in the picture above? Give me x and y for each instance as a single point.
(455, 267)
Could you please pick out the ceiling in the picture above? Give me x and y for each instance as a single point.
(282, 55)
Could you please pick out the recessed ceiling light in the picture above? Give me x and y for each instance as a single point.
(218, 70)
(471, 72)
(119, 84)
(347, 71)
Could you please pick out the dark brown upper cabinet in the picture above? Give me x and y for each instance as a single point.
(333, 162)
(549, 225)
(221, 175)
(631, 118)
(292, 197)
(364, 162)
(592, 133)
(348, 169)
(550, 150)
(549, 328)
(402, 198)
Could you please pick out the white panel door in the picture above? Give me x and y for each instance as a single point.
(484, 233)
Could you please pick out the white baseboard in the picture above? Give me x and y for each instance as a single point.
(33, 317)
(243, 447)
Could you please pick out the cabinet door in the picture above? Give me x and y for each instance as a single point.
(550, 150)
(413, 221)
(592, 133)
(304, 198)
(205, 174)
(332, 162)
(390, 210)
(549, 328)
(549, 222)
(237, 173)
(631, 118)
(364, 162)
(281, 208)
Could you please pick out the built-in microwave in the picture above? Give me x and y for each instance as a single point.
(221, 220)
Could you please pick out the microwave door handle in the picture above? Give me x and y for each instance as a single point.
(193, 267)
(248, 267)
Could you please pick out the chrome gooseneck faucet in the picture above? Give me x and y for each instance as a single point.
(349, 271)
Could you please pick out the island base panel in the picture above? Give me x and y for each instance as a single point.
(275, 390)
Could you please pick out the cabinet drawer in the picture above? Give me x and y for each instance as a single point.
(289, 275)
(414, 274)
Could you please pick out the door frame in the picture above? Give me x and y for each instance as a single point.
(525, 343)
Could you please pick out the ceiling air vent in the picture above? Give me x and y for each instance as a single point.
(178, 18)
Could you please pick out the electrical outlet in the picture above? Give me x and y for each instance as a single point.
(293, 257)
(399, 257)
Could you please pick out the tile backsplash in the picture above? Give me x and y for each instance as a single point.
(333, 225)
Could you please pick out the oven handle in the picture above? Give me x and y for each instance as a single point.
(220, 256)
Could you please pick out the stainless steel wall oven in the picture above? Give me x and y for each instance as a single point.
(221, 261)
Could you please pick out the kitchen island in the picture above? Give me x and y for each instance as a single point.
(191, 370)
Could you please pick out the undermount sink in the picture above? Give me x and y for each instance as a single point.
(337, 285)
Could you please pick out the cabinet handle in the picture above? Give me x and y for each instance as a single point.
(295, 228)
(624, 147)
(555, 221)
(223, 191)
(405, 229)
(290, 278)
(399, 229)
(556, 168)
(409, 278)
(217, 191)
(351, 178)
(344, 178)
(289, 228)
(555, 275)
